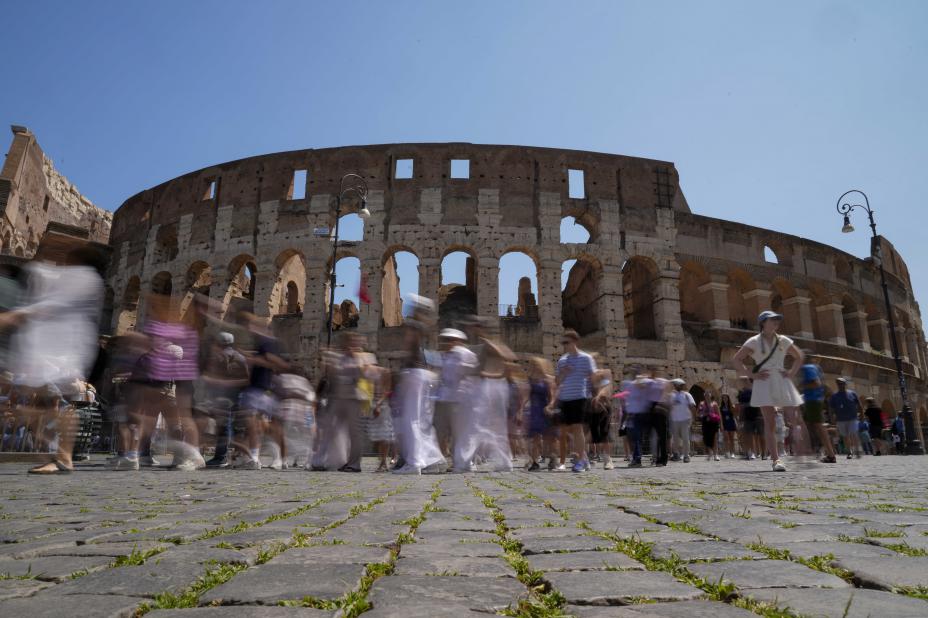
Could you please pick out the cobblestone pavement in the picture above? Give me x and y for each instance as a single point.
(704, 539)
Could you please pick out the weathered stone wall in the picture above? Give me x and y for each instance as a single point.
(33, 194)
(655, 285)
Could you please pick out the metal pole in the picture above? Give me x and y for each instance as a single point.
(913, 444)
(332, 276)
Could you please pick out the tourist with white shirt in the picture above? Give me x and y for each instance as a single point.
(682, 408)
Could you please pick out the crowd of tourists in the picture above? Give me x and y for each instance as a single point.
(193, 385)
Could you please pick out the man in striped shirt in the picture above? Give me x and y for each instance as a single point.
(574, 391)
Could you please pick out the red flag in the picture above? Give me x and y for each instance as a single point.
(363, 296)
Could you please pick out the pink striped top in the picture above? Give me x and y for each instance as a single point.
(164, 365)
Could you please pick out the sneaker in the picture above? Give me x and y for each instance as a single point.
(561, 467)
(717, 458)
(752, 456)
(579, 467)
(187, 465)
(551, 464)
(534, 466)
(634, 464)
(608, 465)
(407, 469)
(249, 464)
(778, 466)
(675, 457)
(850, 456)
(122, 463)
(149, 462)
(277, 464)
(829, 460)
(217, 463)
(763, 457)
(686, 459)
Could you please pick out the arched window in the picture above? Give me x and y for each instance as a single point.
(695, 305)
(287, 295)
(161, 284)
(240, 293)
(197, 281)
(457, 296)
(572, 231)
(518, 287)
(638, 276)
(739, 283)
(292, 298)
(770, 255)
(400, 280)
(581, 280)
(347, 300)
(128, 313)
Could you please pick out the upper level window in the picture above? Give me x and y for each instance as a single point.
(403, 169)
(769, 256)
(298, 185)
(460, 168)
(575, 185)
(210, 190)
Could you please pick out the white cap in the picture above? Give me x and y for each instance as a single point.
(452, 333)
(678, 382)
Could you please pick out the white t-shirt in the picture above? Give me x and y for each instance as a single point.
(456, 365)
(680, 402)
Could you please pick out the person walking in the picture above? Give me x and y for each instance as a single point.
(773, 384)
(574, 391)
(876, 425)
(863, 432)
(898, 430)
(813, 395)
(729, 425)
(599, 419)
(458, 366)
(682, 409)
(646, 393)
(711, 422)
(538, 425)
(845, 405)
(750, 421)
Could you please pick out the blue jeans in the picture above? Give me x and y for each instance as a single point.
(635, 426)
(224, 418)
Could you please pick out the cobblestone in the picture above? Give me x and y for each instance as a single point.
(688, 540)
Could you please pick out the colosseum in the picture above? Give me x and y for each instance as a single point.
(653, 284)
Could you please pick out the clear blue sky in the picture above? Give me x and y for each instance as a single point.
(769, 110)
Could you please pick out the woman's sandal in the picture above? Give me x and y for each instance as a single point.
(52, 467)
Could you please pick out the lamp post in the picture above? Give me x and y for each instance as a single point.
(351, 184)
(913, 444)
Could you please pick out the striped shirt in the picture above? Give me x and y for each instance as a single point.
(163, 365)
(575, 382)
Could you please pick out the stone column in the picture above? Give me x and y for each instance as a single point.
(612, 317)
(488, 290)
(797, 311)
(861, 318)
(429, 277)
(903, 344)
(549, 306)
(755, 301)
(882, 343)
(369, 313)
(831, 320)
(265, 279)
(717, 292)
(667, 306)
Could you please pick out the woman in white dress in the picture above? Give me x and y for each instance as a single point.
(773, 383)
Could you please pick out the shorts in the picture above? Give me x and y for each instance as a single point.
(754, 426)
(255, 400)
(598, 422)
(574, 412)
(847, 429)
(812, 411)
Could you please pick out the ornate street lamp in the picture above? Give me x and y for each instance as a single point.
(351, 184)
(913, 444)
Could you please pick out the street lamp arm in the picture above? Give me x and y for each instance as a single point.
(846, 207)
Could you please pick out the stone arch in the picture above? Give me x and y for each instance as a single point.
(695, 303)
(396, 261)
(639, 275)
(457, 299)
(197, 281)
(699, 390)
(240, 291)
(166, 244)
(852, 332)
(574, 230)
(739, 284)
(518, 285)
(770, 255)
(128, 312)
(581, 284)
(288, 293)
(162, 283)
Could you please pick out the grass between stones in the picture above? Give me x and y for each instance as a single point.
(220, 573)
(819, 563)
(355, 602)
(544, 602)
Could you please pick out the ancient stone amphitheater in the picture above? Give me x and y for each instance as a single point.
(655, 284)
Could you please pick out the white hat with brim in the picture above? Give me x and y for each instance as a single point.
(452, 333)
